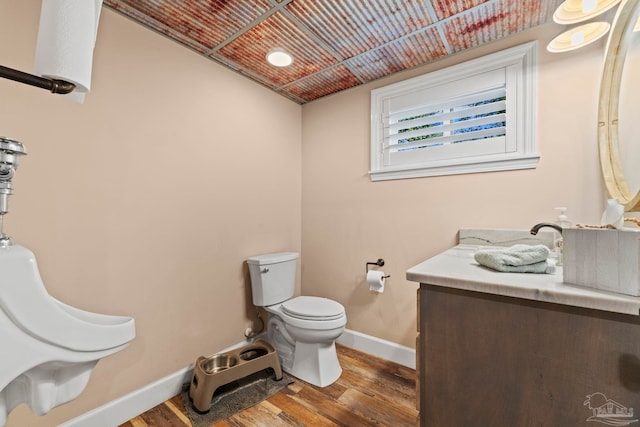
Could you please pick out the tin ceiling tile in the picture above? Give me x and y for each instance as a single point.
(145, 20)
(206, 22)
(290, 96)
(496, 20)
(247, 72)
(250, 50)
(351, 27)
(446, 8)
(336, 44)
(328, 81)
(400, 55)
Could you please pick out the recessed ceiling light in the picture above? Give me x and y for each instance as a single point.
(279, 57)
(578, 37)
(574, 11)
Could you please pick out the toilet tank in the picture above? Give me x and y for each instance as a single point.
(273, 277)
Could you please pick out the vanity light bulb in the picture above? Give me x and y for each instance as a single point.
(589, 5)
(574, 11)
(577, 38)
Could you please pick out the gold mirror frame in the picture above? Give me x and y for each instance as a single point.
(608, 137)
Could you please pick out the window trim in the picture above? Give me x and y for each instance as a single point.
(524, 57)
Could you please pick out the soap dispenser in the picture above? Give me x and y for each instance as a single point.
(563, 222)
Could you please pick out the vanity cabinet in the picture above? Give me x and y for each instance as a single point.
(495, 361)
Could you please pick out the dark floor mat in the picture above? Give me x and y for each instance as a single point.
(236, 396)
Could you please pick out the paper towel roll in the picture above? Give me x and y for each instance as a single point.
(375, 279)
(66, 37)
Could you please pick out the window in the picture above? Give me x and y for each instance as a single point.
(473, 117)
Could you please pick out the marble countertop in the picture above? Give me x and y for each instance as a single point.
(456, 268)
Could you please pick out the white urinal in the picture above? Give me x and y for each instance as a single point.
(48, 349)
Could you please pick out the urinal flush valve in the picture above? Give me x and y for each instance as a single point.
(10, 152)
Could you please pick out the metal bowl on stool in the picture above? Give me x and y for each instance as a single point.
(212, 372)
(218, 362)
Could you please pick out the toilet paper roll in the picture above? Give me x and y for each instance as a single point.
(375, 279)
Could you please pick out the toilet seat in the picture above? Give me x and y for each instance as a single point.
(313, 308)
(328, 322)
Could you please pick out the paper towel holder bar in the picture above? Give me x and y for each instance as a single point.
(52, 85)
(379, 263)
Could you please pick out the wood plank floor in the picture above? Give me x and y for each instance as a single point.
(370, 392)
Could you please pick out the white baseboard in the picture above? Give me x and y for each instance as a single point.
(129, 406)
(383, 349)
(123, 409)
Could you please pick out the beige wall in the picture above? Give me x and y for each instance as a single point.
(348, 220)
(146, 200)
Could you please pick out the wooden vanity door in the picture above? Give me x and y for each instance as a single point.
(487, 360)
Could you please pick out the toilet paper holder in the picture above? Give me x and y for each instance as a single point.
(379, 263)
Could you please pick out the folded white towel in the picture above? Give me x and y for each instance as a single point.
(517, 259)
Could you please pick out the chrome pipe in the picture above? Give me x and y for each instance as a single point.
(10, 152)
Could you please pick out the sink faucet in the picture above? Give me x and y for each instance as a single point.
(534, 230)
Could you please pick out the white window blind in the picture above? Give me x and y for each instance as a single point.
(467, 116)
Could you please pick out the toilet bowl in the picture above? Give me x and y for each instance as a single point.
(303, 329)
(305, 343)
(48, 348)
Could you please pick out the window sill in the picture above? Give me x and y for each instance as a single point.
(528, 161)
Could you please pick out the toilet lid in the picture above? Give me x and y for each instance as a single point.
(313, 308)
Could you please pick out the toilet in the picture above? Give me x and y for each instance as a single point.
(302, 329)
(49, 348)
